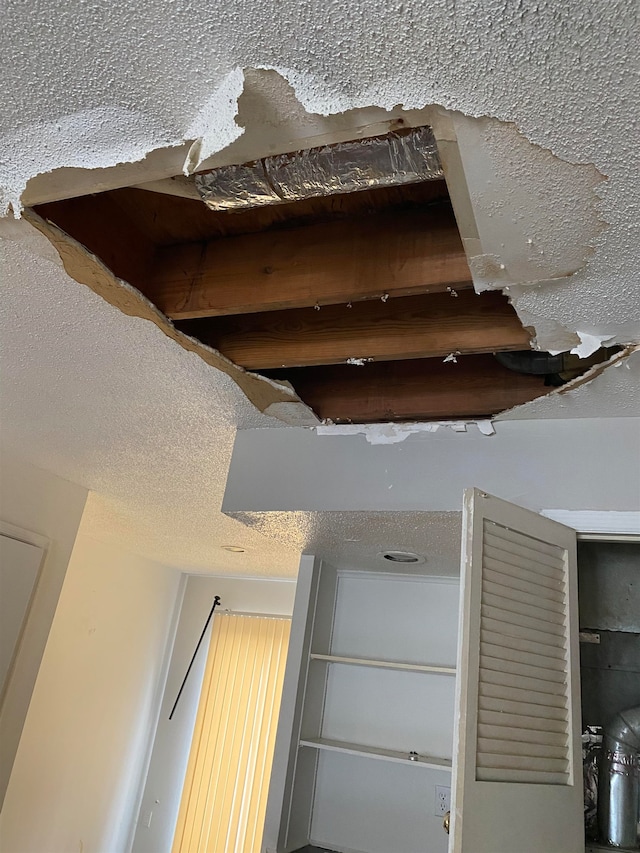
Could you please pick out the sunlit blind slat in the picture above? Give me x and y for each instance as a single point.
(225, 792)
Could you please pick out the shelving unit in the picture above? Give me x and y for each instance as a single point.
(378, 752)
(386, 664)
(370, 679)
(376, 682)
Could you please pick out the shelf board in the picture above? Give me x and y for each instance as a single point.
(387, 664)
(375, 752)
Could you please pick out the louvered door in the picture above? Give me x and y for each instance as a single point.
(518, 772)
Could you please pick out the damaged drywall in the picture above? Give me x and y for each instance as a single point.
(493, 171)
(611, 388)
(526, 114)
(393, 433)
(84, 267)
(489, 199)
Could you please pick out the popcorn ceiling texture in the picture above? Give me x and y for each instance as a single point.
(111, 402)
(356, 540)
(108, 401)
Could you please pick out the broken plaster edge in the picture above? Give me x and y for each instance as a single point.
(269, 397)
(394, 433)
(615, 361)
(215, 128)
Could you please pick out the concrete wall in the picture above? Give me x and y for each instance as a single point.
(78, 768)
(41, 503)
(163, 789)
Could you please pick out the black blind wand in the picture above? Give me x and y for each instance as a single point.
(216, 602)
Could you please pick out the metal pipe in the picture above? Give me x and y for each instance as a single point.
(618, 788)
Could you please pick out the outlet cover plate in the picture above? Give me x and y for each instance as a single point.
(442, 801)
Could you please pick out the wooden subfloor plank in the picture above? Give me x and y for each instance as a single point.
(407, 328)
(423, 389)
(399, 253)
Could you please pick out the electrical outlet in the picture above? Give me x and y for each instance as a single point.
(443, 801)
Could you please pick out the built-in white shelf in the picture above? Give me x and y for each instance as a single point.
(428, 761)
(387, 664)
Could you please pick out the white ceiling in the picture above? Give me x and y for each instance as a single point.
(107, 400)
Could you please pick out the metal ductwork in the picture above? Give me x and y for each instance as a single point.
(618, 788)
(400, 157)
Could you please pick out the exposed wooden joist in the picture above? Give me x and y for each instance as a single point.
(425, 389)
(400, 253)
(168, 220)
(407, 328)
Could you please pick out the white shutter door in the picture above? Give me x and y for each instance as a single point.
(517, 770)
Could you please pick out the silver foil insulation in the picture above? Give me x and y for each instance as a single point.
(407, 157)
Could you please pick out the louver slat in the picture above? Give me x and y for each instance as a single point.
(523, 682)
(522, 606)
(544, 575)
(489, 760)
(546, 586)
(506, 706)
(522, 735)
(529, 635)
(507, 660)
(519, 694)
(525, 547)
(511, 617)
(539, 777)
(513, 586)
(523, 691)
(507, 720)
(512, 748)
(515, 644)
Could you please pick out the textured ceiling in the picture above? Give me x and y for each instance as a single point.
(108, 401)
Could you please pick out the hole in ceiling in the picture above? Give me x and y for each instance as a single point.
(338, 270)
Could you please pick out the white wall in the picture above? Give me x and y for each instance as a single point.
(576, 464)
(163, 789)
(77, 772)
(40, 503)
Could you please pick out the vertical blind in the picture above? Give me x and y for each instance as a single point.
(225, 792)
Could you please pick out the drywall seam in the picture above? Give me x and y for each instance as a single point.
(86, 268)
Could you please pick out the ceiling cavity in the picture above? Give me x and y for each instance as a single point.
(332, 284)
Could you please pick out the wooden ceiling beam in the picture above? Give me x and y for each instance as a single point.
(396, 252)
(426, 389)
(407, 328)
(104, 229)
